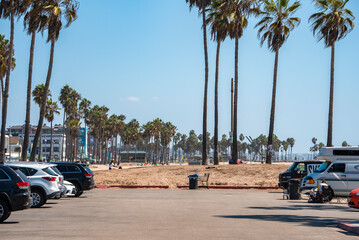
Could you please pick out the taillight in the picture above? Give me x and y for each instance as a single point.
(51, 179)
(88, 175)
(23, 185)
(60, 179)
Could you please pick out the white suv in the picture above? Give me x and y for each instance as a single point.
(45, 183)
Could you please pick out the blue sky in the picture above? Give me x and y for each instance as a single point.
(145, 59)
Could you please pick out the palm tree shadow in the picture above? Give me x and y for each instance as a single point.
(312, 206)
(310, 221)
(9, 223)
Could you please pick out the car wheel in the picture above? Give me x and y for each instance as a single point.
(4, 211)
(77, 191)
(38, 198)
(331, 195)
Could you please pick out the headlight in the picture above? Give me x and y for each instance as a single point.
(311, 181)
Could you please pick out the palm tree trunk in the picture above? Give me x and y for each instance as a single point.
(6, 91)
(204, 131)
(63, 136)
(272, 113)
(40, 148)
(116, 148)
(331, 100)
(235, 103)
(50, 155)
(25, 144)
(216, 161)
(44, 100)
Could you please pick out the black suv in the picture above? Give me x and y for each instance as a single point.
(78, 174)
(298, 170)
(14, 192)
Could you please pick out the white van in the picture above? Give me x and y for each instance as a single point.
(340, 170)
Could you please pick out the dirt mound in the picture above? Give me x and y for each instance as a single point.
(173, 176)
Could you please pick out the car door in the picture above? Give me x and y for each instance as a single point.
(5, 180)
(337, 179)
(299, 171)
(352, 172)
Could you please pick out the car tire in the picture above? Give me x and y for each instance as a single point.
(78, 190)
(4, 211)
(38, 198)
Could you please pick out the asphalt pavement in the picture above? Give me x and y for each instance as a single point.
(179, 214)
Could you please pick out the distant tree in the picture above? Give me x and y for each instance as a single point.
(51, 109)
(321, 145)
(291, 143)
(345, 144)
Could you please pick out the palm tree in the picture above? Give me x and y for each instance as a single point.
(56, 10)
(275, 28)
(8, 9)
(238, 11)
(63, 98)
(4, 56)
(217, 17)
(202, 5)
(33, 22)
(332, 23)
(38, 94)
(84, 108)
(51, 109)
(168, 131)
(291, 143)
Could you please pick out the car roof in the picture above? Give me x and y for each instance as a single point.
(30, 164)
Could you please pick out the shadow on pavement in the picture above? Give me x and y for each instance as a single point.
(51, 203)
(3, 223)
(309, 206)
(310, 221)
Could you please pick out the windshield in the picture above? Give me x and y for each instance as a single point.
(292, 167)
(322, 167)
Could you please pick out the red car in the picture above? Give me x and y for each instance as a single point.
(353, 198)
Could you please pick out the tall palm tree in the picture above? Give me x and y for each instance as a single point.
(202, 5)
(38, 94)
(33, 22)
(291, 142)
(9, 9)
(238, 11)
(218, 20)
(56, 12)
(51, 109)
(332, 23)
(275, 28)
(168, 131)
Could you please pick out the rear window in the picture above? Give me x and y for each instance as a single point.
(21, 175)
(3, 175)
(73, 168)
(49, 171)
(56, 170)
(61, 168)
(88, 170)
(32, 171)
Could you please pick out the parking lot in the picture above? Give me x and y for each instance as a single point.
(179, 214)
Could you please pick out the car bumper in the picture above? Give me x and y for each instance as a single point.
(21, 202)
(54, 195)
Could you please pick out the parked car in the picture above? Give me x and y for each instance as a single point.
(298, 170)
(353, 198)
(70, 189)
(340, 170)
(45, 183)
(78, 174)
(14, 192)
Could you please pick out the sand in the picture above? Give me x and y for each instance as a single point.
(173, 176)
